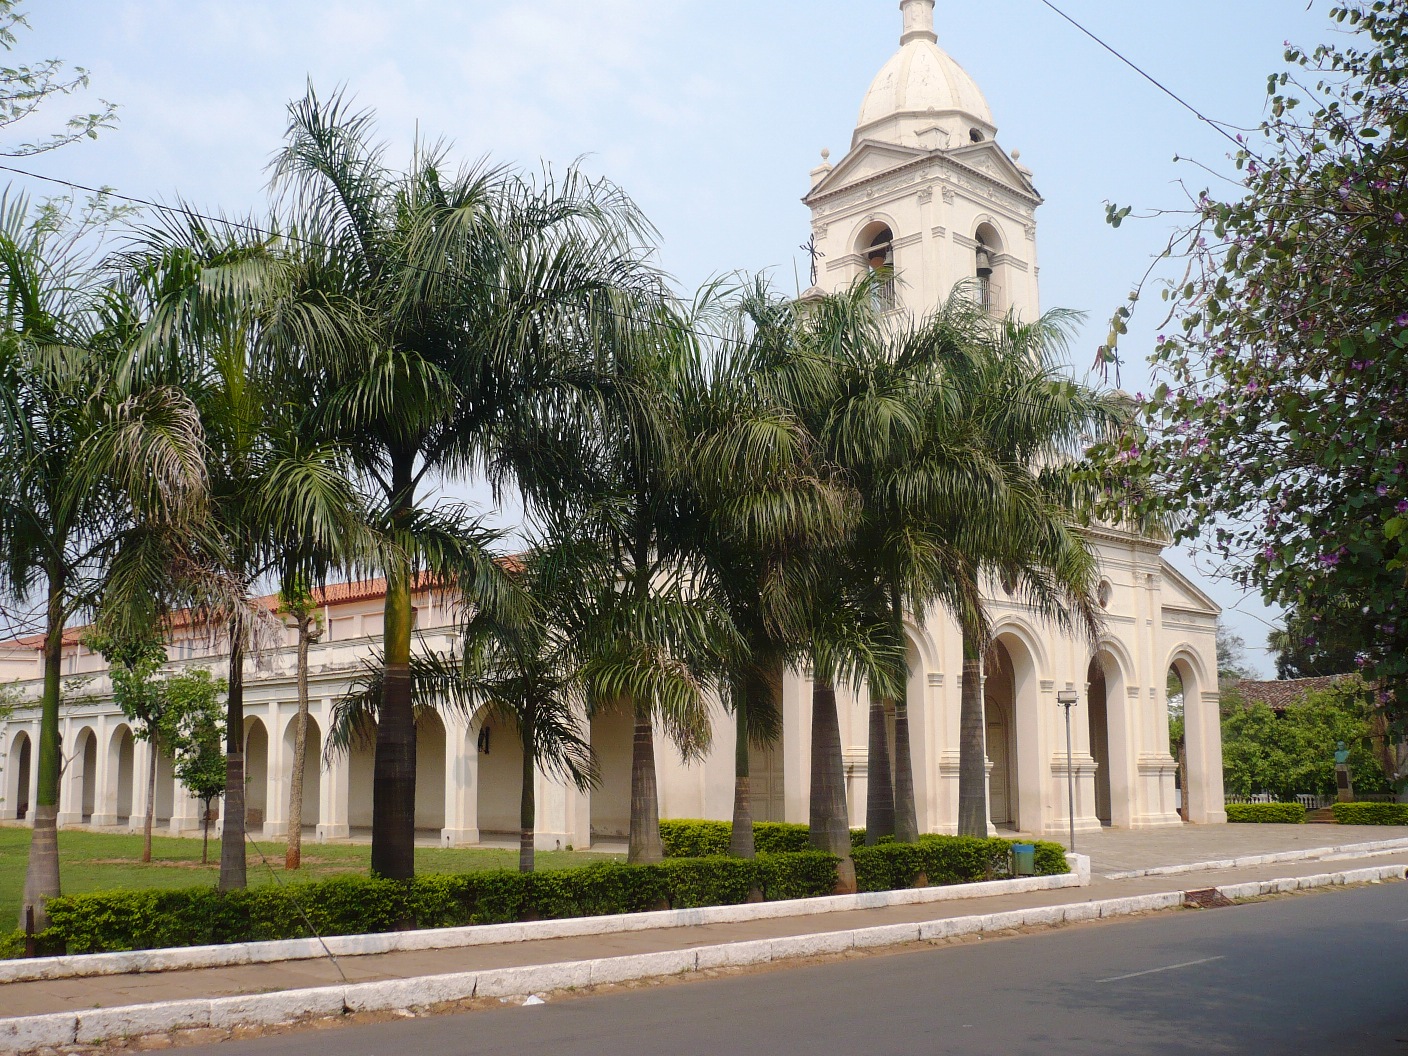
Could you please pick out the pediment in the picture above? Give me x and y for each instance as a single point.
(1180, 592)
(869, 158)
(993, 162)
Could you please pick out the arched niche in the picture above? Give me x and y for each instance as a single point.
(256, 774)
(18, 769)
(430, 771)
(121, 762)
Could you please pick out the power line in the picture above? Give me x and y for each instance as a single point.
(1152, 80)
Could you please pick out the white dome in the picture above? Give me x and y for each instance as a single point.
(921, 86)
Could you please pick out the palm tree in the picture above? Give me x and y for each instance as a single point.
(93, 459)
(215, 324)
(1036, 423)
(450, 315)
(764, 508)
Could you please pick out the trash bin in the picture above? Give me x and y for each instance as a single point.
(1024, 859)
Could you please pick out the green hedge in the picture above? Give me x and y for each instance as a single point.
(691, 838)
(1371, 813)
(349, 905)
(947, 860)
(1266, 813)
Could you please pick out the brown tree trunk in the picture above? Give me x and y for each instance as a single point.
(527, 804)
(151, 799)
(394, 774)
(1183, 768)
(740, 841)
(293, 854)
(829, 823)
(232, 864)
(41, 879)
(906, 813)
(972, 759)
(645, 845)
(879, 782)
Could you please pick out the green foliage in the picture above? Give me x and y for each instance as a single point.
(690, 838)
(1266, 813)
(1276, 432)
(947, 860)
(345, 905)
(1371, 813)
(1311, 646)
(26, 86)
(1293, 753)
(199, 742)
(135, 920)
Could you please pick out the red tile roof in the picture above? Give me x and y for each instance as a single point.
(1284, 692)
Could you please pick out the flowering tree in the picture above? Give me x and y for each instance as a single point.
(1276, 435)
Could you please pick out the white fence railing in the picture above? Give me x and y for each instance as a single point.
(1309, 802)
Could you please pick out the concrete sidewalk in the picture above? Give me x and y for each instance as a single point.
(40, 997)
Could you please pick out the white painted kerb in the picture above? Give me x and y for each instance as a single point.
(83, 965)
(68, 1028)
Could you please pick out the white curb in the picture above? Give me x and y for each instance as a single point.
(95, 964)
(67, 1028)
(1305, 854)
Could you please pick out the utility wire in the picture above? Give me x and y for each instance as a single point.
(1152, 80)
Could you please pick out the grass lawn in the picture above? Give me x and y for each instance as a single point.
(98, 861)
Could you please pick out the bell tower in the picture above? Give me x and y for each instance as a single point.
(926, 190)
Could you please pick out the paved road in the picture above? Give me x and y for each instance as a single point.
(1321, 973)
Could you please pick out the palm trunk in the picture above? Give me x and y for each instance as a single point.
(527, 804)
(830, 825)
(151, 800)
(293, 854)
(645, 845)
(906, 814)
(972, 760)
(232, 868)
(394, 776)
(740, 841)
(879, 785)
(41, 880)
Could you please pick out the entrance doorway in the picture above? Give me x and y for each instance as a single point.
(1099, 716)
(999, 702)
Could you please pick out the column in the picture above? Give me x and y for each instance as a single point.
(105, 801)
(70, 779)
(332, 805)
(461, 783)
(141, 769)
(276, 806)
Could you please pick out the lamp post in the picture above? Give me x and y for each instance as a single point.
(1067, 699)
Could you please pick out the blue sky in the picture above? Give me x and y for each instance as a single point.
(709, 113)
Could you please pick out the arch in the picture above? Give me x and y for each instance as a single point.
(122, 749)
(500, 750)
(988, 231)
(1017, 717)
(256, 774)
(1098, 704)
(865, 233)
(612, 735)
(312, 772)
(1200, 768)
(430, 771)
(18, 768)
(1032, 643)
(85, 784)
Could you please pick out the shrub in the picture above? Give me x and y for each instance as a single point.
(947, 860)
(1266, 813)
(1371, 813)
(346, 905)
(691, 838)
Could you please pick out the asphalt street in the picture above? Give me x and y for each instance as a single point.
(1322, 973)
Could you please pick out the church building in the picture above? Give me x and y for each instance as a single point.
(925, 190)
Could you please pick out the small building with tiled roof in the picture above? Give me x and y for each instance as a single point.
(1282, 693)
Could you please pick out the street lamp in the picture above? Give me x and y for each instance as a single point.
(1067, 699)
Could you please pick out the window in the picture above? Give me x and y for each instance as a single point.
(880, 257)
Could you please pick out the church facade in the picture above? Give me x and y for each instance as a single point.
(925, 190)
